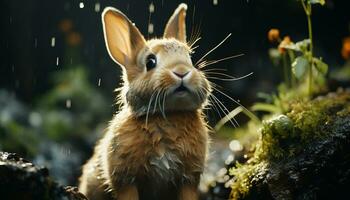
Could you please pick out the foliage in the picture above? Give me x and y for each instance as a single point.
(284, 136)
(22, 129)
(246, 176)
(304, 74)
(79, 102)
(15, 135)
(294, 120)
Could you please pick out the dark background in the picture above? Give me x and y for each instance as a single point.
(53, 112)
(27, 58)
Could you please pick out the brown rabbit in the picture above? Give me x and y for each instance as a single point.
(156, 146)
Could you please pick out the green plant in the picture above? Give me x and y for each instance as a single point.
(304, 74)
(306, 60)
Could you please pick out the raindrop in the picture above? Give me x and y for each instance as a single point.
(36, 42)
(13, 68)
(53, 41)
(150, 28)
(151, 8)
(10, 19)
(97, 7)
(57, 61)
(81, 5)
(215, 2)
(68, 103)
(99, 82)
(235, 145)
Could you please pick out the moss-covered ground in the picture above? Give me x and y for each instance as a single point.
(286, 137)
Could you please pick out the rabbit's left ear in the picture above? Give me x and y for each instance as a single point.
(123, 39)
(176, 26)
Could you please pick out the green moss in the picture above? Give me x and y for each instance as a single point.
(246, 176)
(311, 115)
(287, 135)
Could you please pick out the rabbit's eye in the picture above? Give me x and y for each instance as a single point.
(151, 62)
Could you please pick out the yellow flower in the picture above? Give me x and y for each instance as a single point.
(273, 35)
(345, 51)
(65, 25)
(286, 41)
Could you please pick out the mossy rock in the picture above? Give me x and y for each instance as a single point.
(304, 154)
(21, 179)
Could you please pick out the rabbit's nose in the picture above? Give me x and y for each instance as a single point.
(181, 75)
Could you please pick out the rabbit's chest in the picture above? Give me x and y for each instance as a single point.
(165, 168)
(163, 160)
(162, 154)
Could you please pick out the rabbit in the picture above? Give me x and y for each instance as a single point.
(156, 146)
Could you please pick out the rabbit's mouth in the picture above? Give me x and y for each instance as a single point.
(181, 89)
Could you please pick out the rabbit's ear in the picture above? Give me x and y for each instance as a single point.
(122, 38)
(176, 26)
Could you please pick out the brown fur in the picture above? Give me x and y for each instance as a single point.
(151, 150)
(126, 151)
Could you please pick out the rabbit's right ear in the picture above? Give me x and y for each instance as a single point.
(122, 38)
(176, 26)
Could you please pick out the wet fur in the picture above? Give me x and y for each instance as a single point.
(147, 152)
(158, 159)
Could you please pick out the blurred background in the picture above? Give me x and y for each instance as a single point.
(57, 80)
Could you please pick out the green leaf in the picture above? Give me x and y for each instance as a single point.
(299, 66)
(322, 2)
(301, 46)
(320, 66)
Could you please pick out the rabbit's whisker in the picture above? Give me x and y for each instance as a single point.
(163, 110)
(214, 69)
(155, 102)
(230, 78)
(198, 94)
(195, 34)
(160, 100)
(226, 111)
(202, 64)
(149, 106)
(194, 48)
(213, 49)
(235, 101)
(219, 60)
(194, 42)
(214, 104)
